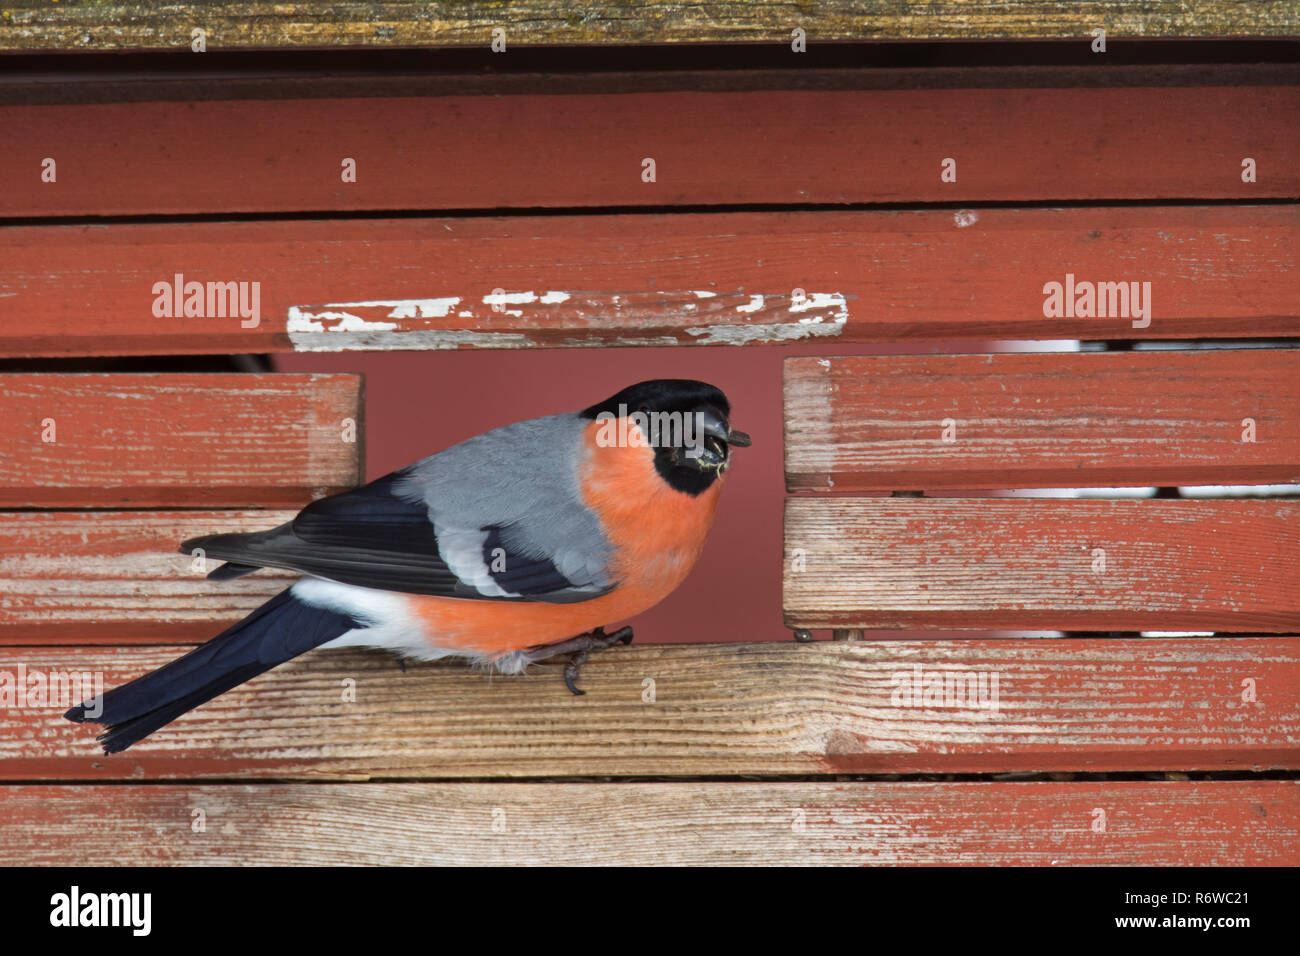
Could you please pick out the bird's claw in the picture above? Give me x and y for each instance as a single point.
(597, 640)
(580, 647)
(571, 673)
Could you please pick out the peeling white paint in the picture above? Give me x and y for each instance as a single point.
(812, 326)
(510, 298)
(401, 308)
(820, 300)
(772, 332)
(300, 321)
(354, 323)
(666, 340)
(965, 217)
(432, 339)
(331, 327)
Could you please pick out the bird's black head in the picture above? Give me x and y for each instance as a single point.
(686, 422)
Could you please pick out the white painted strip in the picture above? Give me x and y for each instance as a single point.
(404, 323)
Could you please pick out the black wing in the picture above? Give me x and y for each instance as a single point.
(374, 538)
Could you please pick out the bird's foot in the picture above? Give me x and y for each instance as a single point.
(580, 647)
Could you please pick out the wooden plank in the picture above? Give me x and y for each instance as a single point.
(323, 76)
(131, 440)
(912, 422)
(112, 577)
(698, 710)
(1125, 565)
(625, 280)
(1237, 823)
(33, 25)
(801, 147)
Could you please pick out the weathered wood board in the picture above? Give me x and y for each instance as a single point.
(1194, 823)
(701, 710)
(527, 151)
(908, 422)
(120, 440)
(31, 25)
(116, 577)
(1126, 565)
(710, 279)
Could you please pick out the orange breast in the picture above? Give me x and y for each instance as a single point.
(657, 534)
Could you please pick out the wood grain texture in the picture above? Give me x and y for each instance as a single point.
(128, 440)
(116, 576)
(1041, 420)
(799, 147)
(1238, 823)
(31, 25)
(827, 707)
(1125, 565)
(651, 279)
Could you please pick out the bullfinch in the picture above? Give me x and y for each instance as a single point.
(513, 546)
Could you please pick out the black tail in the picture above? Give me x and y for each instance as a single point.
(279, 630)
(230, 570)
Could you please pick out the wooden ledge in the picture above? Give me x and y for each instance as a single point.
(701, 710)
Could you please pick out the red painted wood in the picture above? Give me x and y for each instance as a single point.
(1041, 420)
(130, 440)
(1215, 271)
(116, 577)
(769, 146)
(825, 708)
(993, 563)
(1117, 823)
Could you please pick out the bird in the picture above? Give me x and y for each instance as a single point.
(513, 546)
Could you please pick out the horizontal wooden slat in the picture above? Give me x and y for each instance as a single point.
(320, 76)
(651, 279)
(236, 24)
(828, 707)
(1041, 420)
(1042, 563)
(1237, 823)
(585, 150)
(128, 440)
(110, 577)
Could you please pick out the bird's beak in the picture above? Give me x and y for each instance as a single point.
(715, 442)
